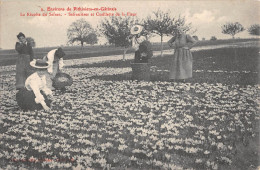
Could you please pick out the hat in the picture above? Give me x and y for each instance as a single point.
(20, 35)
(136, 29)
(39, 63)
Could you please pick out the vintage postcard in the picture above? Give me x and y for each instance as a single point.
(118, 84)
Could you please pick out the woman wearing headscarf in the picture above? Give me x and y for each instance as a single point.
(26, 55)
(181, 62)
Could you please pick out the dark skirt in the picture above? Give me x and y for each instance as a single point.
(23, 70)
(26, 100)
(144, 47)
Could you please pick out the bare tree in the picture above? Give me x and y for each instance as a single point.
(91, 39)
(163, 24)
(117, 30)
(78, 31)
(254, 29)
(232, 28)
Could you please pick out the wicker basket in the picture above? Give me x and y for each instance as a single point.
(62, 80)
(141, 71)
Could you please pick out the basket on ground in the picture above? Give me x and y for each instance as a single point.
(141, 71)
(62, 80)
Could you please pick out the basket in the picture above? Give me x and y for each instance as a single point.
(62, 80)
(141, 71)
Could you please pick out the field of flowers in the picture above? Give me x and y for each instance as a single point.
(107, 121)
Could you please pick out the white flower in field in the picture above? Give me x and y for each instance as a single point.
(157, 163)
(153, 138)
(221, 146)
(167, 156)
(230, 147)
(214, 166)
(133, 158)
(206, 152)
(177, 147)
(78, 167)
(94, 151)
(121, 140)
(198, 161)
(191, 150)
(219, 137)
(122, 147)
(208, 163)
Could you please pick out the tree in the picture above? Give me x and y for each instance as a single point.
(254, 29)
(78, 31)
(213, 38)
(117, 30)
(162, 24)
(31, 41)
(91, 39)
(232, 28)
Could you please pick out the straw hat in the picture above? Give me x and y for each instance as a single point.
(39, 63)
(136, 29)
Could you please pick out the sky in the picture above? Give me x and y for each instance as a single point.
(206, 16)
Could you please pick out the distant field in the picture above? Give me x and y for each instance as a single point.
(8, 57)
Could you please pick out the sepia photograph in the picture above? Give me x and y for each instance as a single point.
(128, 84)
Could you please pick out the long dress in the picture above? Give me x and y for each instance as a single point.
(181, 62)
(23, 68)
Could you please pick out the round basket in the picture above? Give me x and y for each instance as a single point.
(62, 80)
(141, 71)
(26, 100)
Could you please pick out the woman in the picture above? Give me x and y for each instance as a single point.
(138, 37)
(26, 55)
(181, 63)
(34, 95)
(55, 59)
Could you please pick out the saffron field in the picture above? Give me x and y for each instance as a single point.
(105, 120)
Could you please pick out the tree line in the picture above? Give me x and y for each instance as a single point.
(116, 29)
